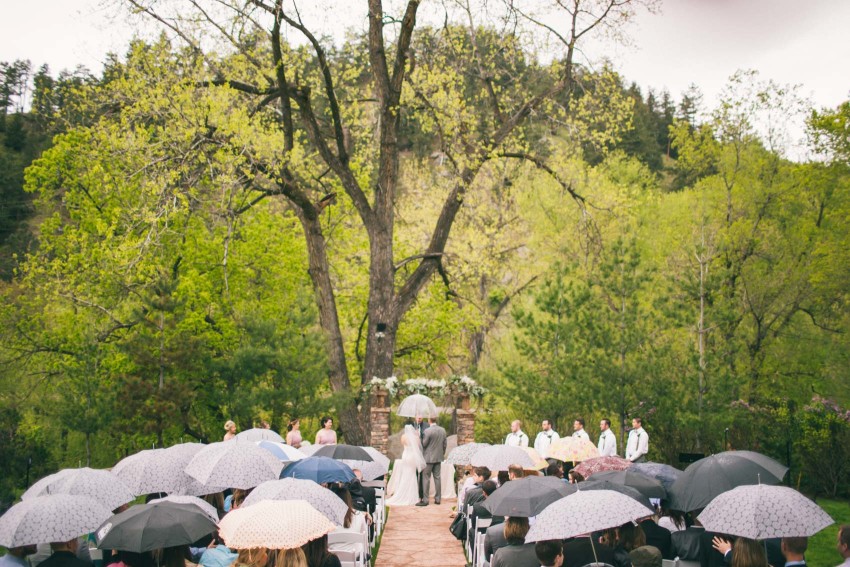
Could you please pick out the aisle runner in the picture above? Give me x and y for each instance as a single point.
(416, 537)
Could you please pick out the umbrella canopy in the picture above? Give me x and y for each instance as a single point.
(319, 497)
(319, 469)
(273, 524)
(599, 464)
(258, 434)
(462, 454)
(237, 465)
(608, 485)
(528, 496)
(762, 511)
(539, 462)
(144, 527)
(417, 405)
(370, 469)
(665, 474)
(162, 470)
(309, 450)
(99, 484)
(572, 449)
(208, 508)
(500, 457)
(649, 487)
(377, 456)
(707, 478)
(285, 453)
(776, 468)
(54, 517)
(583, 512)
(341, 451)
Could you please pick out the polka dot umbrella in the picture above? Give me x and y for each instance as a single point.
(273, 524)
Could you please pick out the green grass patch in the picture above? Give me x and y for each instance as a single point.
(822, 550)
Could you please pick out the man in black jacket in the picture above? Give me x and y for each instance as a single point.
(659, 537)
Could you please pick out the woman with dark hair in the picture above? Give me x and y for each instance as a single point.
(177, 556)
(516, 553)
(293, 436)
(326, 435)
(318, 554)
(132, 559)
(502, 477)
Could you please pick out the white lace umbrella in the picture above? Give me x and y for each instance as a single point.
(54, 517)
(274, 524)
(585, 512)
(162, 470)
(99, 484)
(205, 506)
(309, 450)
(417, 405)
(319, 497)
(237, 465)
(500, 457)
(462, 454)
(761, 511)
(258, 434)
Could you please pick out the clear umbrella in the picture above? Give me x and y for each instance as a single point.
(417, 405)
(54, 517)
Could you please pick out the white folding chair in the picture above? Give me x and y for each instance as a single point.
(380, 509)
(469, 534)
(350, 541)
(480, 534)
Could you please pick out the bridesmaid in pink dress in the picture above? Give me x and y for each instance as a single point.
(293, 438)
(326, 435)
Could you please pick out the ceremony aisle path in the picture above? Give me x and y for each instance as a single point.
(417, 536)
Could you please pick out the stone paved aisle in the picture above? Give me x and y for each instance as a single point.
(419, 536)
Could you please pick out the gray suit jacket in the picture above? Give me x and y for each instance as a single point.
(434, 444)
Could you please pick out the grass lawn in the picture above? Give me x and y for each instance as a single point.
(822, 552)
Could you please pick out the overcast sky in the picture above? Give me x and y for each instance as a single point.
(690, 41)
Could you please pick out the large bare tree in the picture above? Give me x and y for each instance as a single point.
(342, 124)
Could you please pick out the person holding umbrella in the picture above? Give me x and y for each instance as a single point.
(516, 553)
(16, 556)
(65, 555)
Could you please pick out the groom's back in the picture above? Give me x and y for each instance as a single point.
(434, 444)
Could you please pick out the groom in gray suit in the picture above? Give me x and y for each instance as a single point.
(433, 448)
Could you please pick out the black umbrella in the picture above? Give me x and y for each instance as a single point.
(527, 497)
(348, 452)
(775, 467)
(145, 527)
(649, 487)
(608, 485)
(714, 475)
(665, 474)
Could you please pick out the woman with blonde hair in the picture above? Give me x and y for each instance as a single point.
(748, 553)
(230, 429)
(290, 558)
(254, 557)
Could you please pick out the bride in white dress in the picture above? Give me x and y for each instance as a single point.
(403, 487)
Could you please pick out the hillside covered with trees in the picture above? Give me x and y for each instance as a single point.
(255, 230)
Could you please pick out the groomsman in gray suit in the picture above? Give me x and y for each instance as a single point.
(434, 449)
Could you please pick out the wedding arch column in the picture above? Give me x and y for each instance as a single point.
(380, 420)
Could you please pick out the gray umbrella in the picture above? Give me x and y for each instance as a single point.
(665, 474)
(342, 451)
(145, 527)
(649, 487)
(319, 497)
(584, 512)
(707, 478)
(527, 497)
(208, 508)
(761, 512)
(462, 454)
(594, 484)
(233, 464)
(775, 467)
(54, 517)
(99, 484)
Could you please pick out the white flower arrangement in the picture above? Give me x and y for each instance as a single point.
(427, 386)
(389, 384)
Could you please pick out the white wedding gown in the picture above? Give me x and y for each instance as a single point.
(403, 488)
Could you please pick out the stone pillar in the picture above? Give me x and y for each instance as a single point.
(465, 420)
(380, 421)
